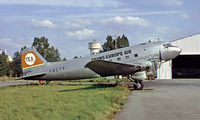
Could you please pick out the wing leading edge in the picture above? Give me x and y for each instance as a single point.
(107, 68)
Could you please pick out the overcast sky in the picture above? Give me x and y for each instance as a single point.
(71, 24)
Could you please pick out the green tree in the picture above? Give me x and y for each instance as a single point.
(16, 64)
(49, 53)
(42, 46)
(112, 44)
(108, 45)
(53, 55)
(122, 41)
(4, 64)
(64, 59)
(22, 49)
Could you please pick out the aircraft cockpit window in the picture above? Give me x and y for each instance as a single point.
(167, 45)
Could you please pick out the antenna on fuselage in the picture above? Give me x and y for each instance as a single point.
(154, 39)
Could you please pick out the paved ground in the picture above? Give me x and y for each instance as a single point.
(13, 82)
(164, 100)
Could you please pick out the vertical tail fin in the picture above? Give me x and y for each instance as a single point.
(30, 58)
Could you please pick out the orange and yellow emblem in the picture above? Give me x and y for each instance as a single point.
(30, 60)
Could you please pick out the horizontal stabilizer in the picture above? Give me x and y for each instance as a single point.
(32, 77)
(107, 68)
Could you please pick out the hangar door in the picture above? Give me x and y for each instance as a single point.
(186, 66)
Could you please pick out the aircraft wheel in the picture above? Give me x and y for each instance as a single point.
(138, 85)
(47, 82)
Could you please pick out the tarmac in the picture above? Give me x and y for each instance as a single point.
(164, 100)
(13, 82)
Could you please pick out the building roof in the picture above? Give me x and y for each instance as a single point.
(190, 45)
(185, 37)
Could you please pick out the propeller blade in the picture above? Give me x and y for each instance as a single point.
(160, 56)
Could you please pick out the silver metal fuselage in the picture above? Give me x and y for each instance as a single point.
(142, 54)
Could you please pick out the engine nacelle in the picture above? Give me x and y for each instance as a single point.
(140, 75)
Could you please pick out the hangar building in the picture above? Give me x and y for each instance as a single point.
(187, 64)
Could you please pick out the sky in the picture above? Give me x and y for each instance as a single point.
(70, 25)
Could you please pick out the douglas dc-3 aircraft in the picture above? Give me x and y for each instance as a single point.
(133, 61)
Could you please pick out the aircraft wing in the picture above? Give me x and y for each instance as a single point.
(107, 68)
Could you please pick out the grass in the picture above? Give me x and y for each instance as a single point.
(100, 79)
(61, 101)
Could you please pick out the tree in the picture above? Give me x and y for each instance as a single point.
(64, 59)
(16, 64)
(22, 49)
(51, 54)
(4, 64)
(108, 45)
(42, 45)
(122, 42)
(112, 44)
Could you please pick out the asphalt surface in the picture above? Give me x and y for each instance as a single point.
(164, 100)
(13, 82)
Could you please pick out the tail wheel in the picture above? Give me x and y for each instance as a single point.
(138, 85)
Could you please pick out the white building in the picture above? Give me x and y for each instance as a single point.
(94, 47)
(187, 64)
(1, 51)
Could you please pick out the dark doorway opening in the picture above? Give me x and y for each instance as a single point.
(186, 66)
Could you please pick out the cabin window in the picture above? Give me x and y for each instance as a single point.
(167, 45)
(118, 59)
(62, 68)
(127, 57)
(135, 55)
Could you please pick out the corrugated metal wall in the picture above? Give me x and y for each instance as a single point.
(189, 45)
(165, 71)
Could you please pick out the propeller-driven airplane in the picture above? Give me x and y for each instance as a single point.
(134, 61)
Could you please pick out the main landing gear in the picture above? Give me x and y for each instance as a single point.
(137, 84)
(47, 82)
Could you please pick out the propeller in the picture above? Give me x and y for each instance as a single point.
(155, 64)
(160, 56)
(160, 61)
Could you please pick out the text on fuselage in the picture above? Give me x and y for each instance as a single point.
(108, 56)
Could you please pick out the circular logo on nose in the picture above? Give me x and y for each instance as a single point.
(30, 59)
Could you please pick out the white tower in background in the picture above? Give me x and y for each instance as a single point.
(1, 51)
(94, 47)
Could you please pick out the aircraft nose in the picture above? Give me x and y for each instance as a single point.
(171, 53)
(176, 50)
